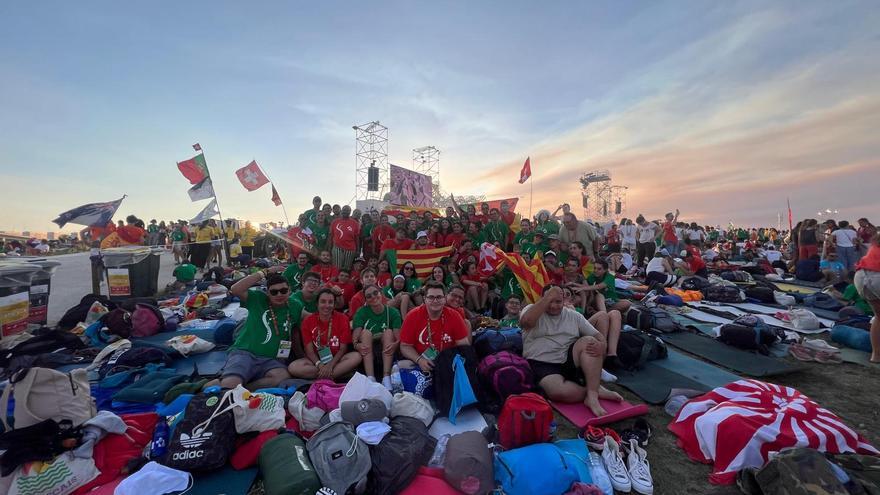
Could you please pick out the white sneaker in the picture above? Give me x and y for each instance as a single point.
(386, 382)
(608, 377)
(615, 466)
(639, 469)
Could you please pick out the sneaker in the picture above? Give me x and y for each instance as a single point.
(640, 433)
(386, 382)
(639, 469)
(595, 438)
(608, 377)
(614, 465)
(819, 345)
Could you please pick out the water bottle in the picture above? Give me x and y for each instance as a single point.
(599, 474)
(160, 440)
(674, 404)
(439, 457)
(396, 382)
(553, 427)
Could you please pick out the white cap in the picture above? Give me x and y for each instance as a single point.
(421, 234)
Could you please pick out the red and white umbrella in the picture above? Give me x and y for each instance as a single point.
(738, 425)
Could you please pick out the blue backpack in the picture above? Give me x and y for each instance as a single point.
(537, 469)
(490, 341)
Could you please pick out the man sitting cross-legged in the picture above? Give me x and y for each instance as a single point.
(564, 351)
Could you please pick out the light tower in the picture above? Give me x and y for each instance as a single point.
(426, 160)
(371, 160)
(596, 193)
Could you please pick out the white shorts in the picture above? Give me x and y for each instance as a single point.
(867, 282)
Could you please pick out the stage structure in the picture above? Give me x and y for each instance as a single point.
(602, 201)
(426, 160)
(371, 161)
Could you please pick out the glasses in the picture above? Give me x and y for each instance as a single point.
(275, 292)
(434, 298)
(370, 295)
(408, 269)
(311, 282)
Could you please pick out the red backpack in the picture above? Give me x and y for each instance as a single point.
(506, 374)
(525, 419)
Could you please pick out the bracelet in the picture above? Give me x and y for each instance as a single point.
(318, 363)
(419, 359)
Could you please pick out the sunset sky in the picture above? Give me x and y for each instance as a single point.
(721, 109)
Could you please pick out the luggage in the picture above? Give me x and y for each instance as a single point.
(490, 341)
(286, 468)
(662, 322)
(799, 471)
(204, 438)
(397, 458)
(634, 349)
(41, 394)
(738, 276)
(146, 320)
(539, 469)
(118, 322)
(324, 394)
(525, 419)
(762, 294)
(670, 300)
(723, 293)
(79, 313)
(505, 374)
(410, 405)
(49, 341)
(340, 458)
(469, 463)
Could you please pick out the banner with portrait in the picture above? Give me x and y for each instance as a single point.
(410, 188)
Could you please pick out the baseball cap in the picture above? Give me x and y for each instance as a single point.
(550, 253)
(362, 411)
(421, 234)
(553, 236)
(664, 252)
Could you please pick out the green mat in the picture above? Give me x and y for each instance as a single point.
(226, 481)
(744, 362)
(653, 383)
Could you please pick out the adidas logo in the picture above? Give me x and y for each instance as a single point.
(182, 456)
(191, 442)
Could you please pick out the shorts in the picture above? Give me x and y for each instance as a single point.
(568, 369)
(867, 282)
(248, 366)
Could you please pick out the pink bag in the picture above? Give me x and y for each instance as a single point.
(324, 394)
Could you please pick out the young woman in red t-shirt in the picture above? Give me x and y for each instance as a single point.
(383, 277)
(326, 338)
(476, 289)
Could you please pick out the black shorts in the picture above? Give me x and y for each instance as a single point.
(568, 369)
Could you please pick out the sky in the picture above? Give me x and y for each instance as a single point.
(720, 109)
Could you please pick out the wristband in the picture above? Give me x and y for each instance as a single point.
(318, 363)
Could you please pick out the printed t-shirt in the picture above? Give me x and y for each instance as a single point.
(310, 306)
(444, 332)
(334, 333)
(610, 291)
(387, 319)
(358, 300)
(383, 279)
(321, 233)
(178, 236)
(293, 274)
(549, 340)
(327, 272)
(348, 290)
(345, 232)
(509, 322)
(185, 272)
(266, 326)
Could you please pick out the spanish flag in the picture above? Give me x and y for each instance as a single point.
(424, 259)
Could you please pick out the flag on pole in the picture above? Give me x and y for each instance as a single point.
(208, 212)
(526, 171)
(251, 177)
(92, 214)
(424, 259)
(195, 169)
(275, 197)
(202, 190)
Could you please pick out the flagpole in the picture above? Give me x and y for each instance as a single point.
(225, 242)
(283, 208)
(531, 195)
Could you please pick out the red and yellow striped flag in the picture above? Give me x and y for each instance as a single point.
(532, 278)
(424, 259)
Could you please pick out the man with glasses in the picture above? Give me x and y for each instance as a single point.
(376, 332)
(512, 306)
(431, 328)
(455, 300)
(259, 354)
(308, 296)
(294, 272)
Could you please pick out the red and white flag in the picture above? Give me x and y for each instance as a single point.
(251, 177)
(275, 197)
(526, 171)
(197, 147)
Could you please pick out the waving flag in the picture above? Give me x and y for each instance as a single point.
(738, 425)
(275, 197)
(195, 169)
(208, 212)
(92, 214)
(526, 171)
(202, 190)
(531, 277)
(424, 259)
(251, 177)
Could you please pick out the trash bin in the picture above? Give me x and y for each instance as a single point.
(41, 287)
(131, 271)
(15, 283)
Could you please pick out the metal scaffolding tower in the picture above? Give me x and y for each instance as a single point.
(618, 193)
(596, 193)
(371, 160)
(426, 160)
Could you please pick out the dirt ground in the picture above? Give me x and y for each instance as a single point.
(848, 390)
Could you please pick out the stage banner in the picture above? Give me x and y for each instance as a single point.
(410, 188)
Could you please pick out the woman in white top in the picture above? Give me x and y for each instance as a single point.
(846, 240)
(627, 235)
(659, 270)
(646, 233)
(696, 235)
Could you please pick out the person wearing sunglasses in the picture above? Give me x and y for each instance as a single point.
(368, 278)
(413, 283)
(259, 355)
(430, 329)
(376, 333)
(326, 337)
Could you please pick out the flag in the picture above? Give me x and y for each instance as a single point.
(531, 277)
(424, 259)
(202, 190)
(92, 214)
(195, 169)
(790, 228)
(251, 177)
(275, 197)
(207, 213)
(197, 147)
(526, 171)
(489, 260)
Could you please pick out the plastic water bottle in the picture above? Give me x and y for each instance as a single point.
(160, 439)
(674, 404)
(439, 457)
(396, 382)
(599, 474)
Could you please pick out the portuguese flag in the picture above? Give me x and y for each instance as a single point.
(424, 259)
(195, 169)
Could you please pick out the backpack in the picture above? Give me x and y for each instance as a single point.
(752, 338)
(204, 438)
(737, 276)
(670, 300)
(634, 349)
(762, 294)
(490, 341)
(723, 293)
(146, 320)
(525, 419)
(469, 463)
(506, 374)
(41, 394)
(663, 322)
(444, 377)
(534, 469)
(640, 317)
(397, 458)
(286, 468)
(48, 342)
(340, 458)
(78, 313)
(799, 471)
(694, 283)
(118, 322)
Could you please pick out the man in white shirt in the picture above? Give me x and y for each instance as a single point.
(646, 233)
(627, 235)
(845, 238)
(43, 247)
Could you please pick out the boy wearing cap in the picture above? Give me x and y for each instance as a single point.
(422, 241)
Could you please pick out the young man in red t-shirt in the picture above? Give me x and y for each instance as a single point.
(326, 270)
(345, 233)
(326, 337)
(431, 328)
(381, 233)
(368, 279)
(400, 241)
(346, 288)
(670, 240)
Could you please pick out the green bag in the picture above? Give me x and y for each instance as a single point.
(190, 387)
(286, 467)
(151, 388)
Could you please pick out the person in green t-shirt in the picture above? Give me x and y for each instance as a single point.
(477, 236)
(602, 281)
(413, 283)
(308, 295)
(320, 231)
(178, 244)
(512, 306)
(185, 273)
(397, 295)
(293, 273)
(496, 231)
(376, 331)
(260, 353)
(850, 294)
(312, 214)
(524, 236)
(537, 247)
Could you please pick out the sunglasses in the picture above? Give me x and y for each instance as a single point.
(276, 292)
(408, 269)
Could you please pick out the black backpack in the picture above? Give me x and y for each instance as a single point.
(78, 313)
(45, 342)
(639, 317)
(662, 323)
(722, 293)
(118, 322)
(397, 458)
(757, 338)
(634, 349)
(694, 283)
(444, 377)
(763, 294)
(205, 437)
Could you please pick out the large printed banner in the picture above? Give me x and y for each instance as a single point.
(14, 313)
(119, 282)
(410, 188)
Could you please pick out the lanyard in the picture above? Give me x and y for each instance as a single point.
(275, 322)
(329, 329)
(430, 333)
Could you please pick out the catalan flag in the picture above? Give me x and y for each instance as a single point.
(531, 277)
(424, 259)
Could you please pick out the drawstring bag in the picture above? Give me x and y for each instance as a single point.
(462, 392)
(340, 457)
(256, 411)
(205, 437)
